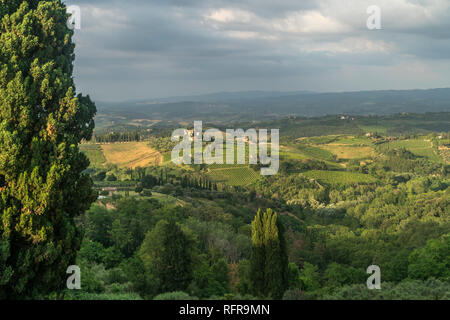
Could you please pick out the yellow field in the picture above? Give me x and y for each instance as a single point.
(343, 151)
(131, 154)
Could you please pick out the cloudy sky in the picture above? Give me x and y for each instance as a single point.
(143, 49)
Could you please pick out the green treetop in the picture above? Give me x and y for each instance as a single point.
(269, 261)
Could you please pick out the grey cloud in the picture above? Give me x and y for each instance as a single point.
(166, 47)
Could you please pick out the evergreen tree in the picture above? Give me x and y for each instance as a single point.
(276, 269)
(41, 124)
(221, 272)
(176, 271)
(258, 257)
(269, 261)
(166, 253)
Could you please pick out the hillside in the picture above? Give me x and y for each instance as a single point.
(259, 105)
(349, 193)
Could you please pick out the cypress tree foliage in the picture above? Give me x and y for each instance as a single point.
(41, 124)
(269, 261)
(258, 256)
(276, 269)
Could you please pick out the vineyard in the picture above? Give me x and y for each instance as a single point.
(234, 175)
(339, 177)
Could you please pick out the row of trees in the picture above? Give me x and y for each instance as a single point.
(198, 183)
(125, 136)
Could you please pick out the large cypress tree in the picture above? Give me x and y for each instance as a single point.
(276, 268)
(42, 185)
(258, 256)
(269, 261)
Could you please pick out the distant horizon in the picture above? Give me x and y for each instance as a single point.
(287, 92)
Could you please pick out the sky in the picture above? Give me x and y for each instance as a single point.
(147, 49)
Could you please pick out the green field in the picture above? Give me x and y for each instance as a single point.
(166, 157)
(419, 147)
(319, 139)
(353, 141)
(299, 154)
(163, 198)
(314, 152)
(94, 153)
(339, 177)
(292, 155)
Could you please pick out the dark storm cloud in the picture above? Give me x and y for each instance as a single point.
(141, 49)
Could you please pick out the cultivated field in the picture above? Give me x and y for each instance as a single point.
(353, 141)
(339, 177)
(131, 154)
(329, 149)
(315, 152)
(94, 153)
(343, 151)
(234, 175)
(419, 147)
(291, 153)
